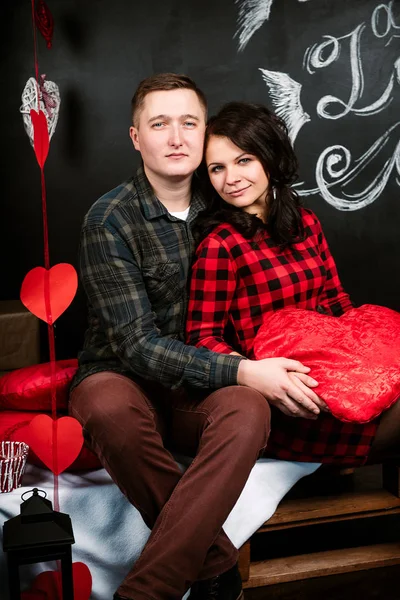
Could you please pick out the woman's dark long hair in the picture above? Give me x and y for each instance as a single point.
(258, 131)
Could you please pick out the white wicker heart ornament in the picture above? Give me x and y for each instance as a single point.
(49, 102)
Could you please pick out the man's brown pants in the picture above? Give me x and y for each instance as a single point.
(126, 425)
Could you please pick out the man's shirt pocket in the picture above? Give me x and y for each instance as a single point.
(163, 282)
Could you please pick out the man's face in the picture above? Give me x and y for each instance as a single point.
(170, 133)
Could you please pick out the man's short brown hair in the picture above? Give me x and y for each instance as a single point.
(163, 82)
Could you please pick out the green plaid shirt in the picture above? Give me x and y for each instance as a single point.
(135, 259)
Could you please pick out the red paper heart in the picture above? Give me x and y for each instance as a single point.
(39, 436)
(60, 282)
(355, 358)
(41, 140)
(47, 585)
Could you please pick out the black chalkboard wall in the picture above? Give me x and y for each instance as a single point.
(329, 66)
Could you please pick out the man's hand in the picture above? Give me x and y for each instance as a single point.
(284, 383)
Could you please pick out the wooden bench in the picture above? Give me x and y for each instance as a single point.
(343, 502)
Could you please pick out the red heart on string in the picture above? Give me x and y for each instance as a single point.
(41, 140)
(62, 286)
(39, 437)
(48, 584)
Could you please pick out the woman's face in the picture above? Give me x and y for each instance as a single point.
(238, 177)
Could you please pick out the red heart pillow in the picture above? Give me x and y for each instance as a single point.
(29, 388)
(355, 358)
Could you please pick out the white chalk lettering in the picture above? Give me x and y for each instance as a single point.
(335, 169)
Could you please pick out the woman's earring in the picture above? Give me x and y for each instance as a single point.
(274, 193)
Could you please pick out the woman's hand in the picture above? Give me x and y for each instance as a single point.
(284, 383)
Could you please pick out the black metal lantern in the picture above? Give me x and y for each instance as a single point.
(38, 534)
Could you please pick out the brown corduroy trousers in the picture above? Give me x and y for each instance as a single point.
(130, 426)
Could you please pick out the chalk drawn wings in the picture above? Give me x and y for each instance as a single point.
(252, 15)
(285, 96)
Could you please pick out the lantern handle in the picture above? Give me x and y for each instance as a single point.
(35, 493)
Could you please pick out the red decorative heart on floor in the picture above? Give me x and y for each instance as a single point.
(48, 293)
(355, 358)
(69, 440)
(41, 141)
(47, 585)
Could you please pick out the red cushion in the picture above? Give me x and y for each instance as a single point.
(29, 388)
(355, 358)
(12, 427)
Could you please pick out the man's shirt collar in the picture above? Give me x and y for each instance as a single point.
(151, 205)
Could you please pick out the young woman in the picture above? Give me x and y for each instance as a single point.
(261, 251)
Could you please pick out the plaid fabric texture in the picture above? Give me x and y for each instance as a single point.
(134, 263)
(234, 281)
(326, 440)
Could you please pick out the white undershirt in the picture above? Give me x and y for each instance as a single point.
(182, 214)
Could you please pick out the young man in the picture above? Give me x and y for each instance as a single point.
(139, 385)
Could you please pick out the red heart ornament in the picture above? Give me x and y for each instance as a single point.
(44, 21)
(48, 584)
(48, 293)
(41, 140)
(69, 440)
(355, 358)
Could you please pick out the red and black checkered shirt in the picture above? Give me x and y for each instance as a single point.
(234, 282)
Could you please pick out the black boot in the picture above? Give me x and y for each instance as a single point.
(227, 586)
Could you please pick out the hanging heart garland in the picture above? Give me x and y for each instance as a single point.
(47, 292)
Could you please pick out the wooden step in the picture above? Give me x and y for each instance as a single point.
(326, 509)
(319, 564)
